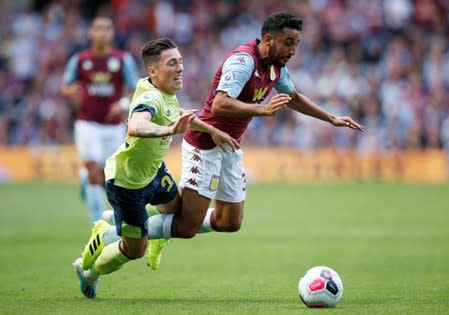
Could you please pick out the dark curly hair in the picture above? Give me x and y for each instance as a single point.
(276, 22)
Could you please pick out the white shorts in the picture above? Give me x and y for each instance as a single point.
(96, 142)
(213, 173)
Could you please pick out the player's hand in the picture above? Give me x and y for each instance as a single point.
(345, 121)
(277, 102)
(183, 122)
(224, 141)
(115, 111)
(74, 93)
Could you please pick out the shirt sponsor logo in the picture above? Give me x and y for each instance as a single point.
(259, 94)
(100, 90)
(165, 140)
(100, 84)
(100, 77)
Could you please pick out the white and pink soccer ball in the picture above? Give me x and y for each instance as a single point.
(320, 287)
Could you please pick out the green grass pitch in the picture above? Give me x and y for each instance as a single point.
(389, 243)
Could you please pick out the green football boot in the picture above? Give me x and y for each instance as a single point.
(154, 253)
(95, 245)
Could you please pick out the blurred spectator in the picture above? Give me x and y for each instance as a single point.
(445, 139)
(385, 61)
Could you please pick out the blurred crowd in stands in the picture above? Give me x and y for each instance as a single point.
(384, 62)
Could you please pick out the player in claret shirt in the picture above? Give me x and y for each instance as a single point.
(94, 80)
(241, 83)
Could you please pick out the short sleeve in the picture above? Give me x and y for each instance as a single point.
(71, 70)
(130, 71)
(236, 71)
(285, 85)
(147, 102)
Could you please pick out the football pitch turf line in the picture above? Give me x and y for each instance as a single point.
(389, 243)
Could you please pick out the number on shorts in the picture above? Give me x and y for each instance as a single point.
(167, 181)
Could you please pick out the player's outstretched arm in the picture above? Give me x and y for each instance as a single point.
(140, 125)
(226, 106)
(304, 105)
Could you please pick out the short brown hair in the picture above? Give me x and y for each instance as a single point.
(152, 50)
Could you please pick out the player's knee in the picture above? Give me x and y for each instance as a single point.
(95, 174)
(135, 254)
(233, 226)
(189, 234)
(185, 227)
(185, 232)
(133, 251)
(229, 224)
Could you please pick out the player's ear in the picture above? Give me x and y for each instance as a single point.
(151, 70)
(268, 39)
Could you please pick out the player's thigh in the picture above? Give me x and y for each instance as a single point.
(88, 141)
(200, 170)
(129, 210)
(173, 206)
(194, 207)
(231, 192)
(163, 192)
(232, 184)
(112, 138)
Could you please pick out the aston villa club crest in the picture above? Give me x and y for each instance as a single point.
(113, 64)
(87, 65)
(213, 185)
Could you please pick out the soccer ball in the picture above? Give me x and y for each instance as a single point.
(320, 287)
